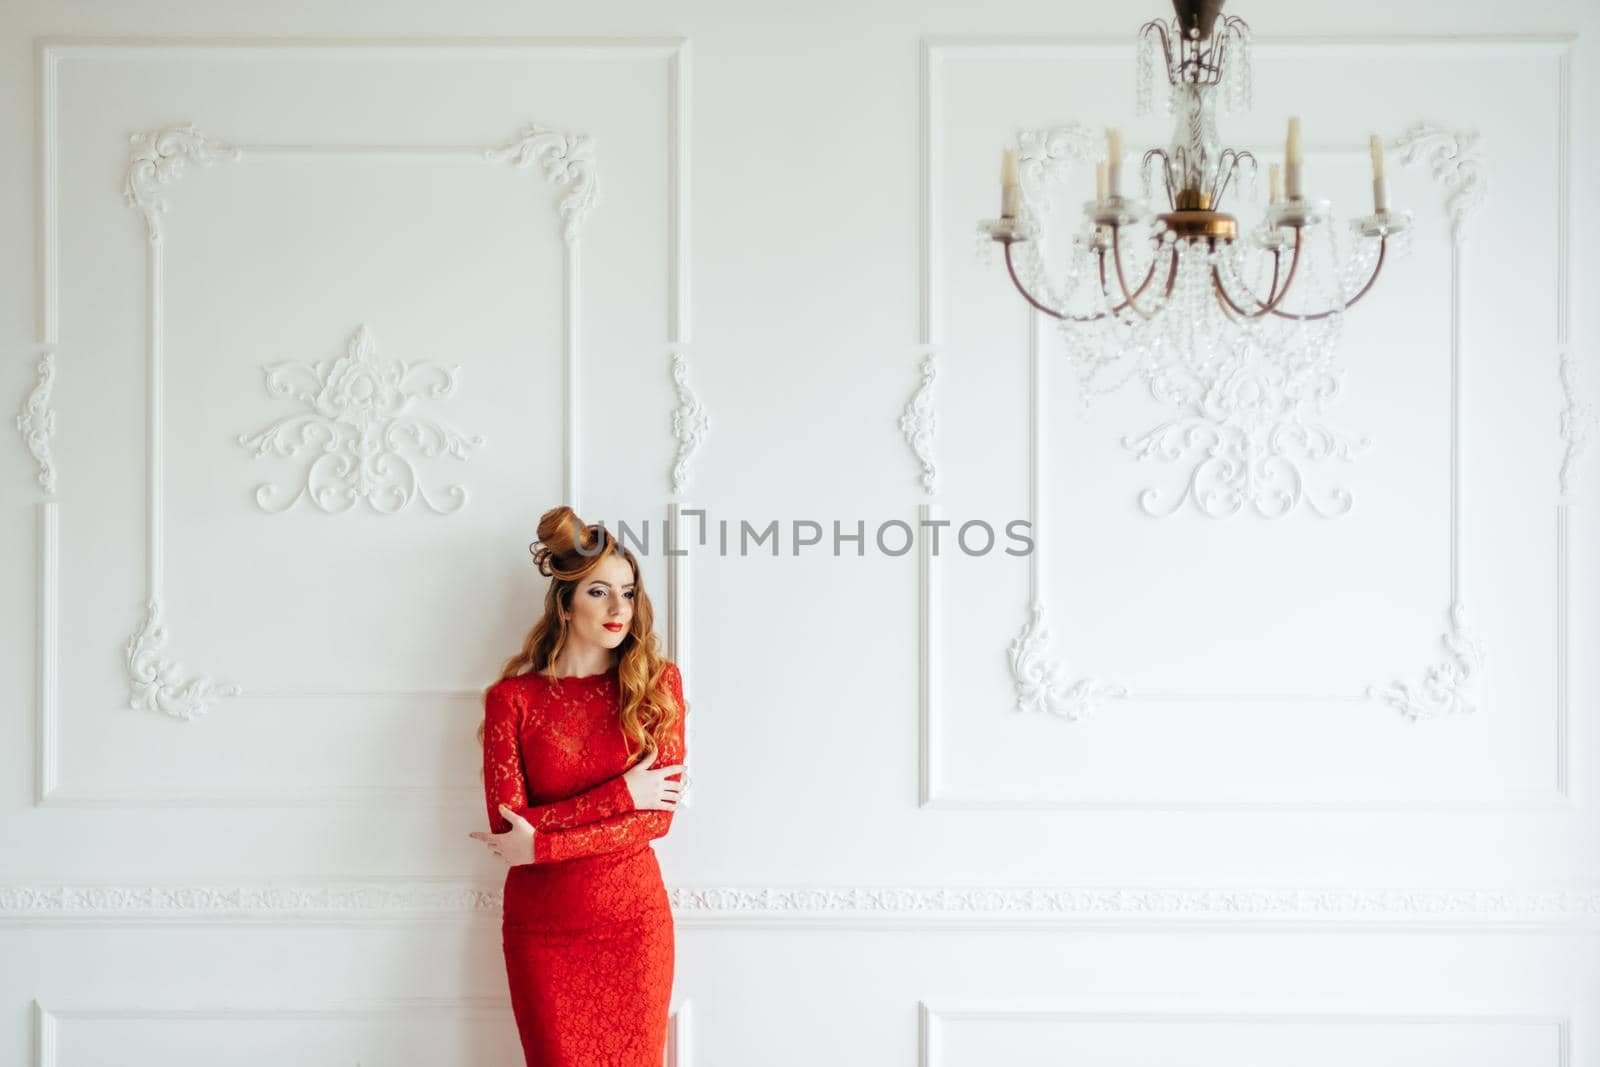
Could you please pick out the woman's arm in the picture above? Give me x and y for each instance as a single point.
(503, 781)
(618, 832)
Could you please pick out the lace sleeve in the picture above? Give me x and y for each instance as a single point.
(504, 781)
(618, 832)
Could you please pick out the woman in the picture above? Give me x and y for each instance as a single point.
(570, 733)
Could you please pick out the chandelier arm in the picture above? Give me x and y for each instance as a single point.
(1149, 276)
(1172, 280)
(1216, 283)
(1131, 299)
(1274, 299)
(1172, 274)
(1219, 51)
(1277, 267)
(1217, 179)
(1065, 316)
(1222, 306)
(1166, 173)
(1383, 246)
(1160, 29)
(1228, 307)
(1227, 167)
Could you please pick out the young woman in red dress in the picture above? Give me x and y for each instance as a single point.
(572, 733)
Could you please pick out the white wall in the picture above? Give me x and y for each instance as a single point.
(1238, 855)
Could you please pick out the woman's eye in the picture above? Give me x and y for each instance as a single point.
(630, 594)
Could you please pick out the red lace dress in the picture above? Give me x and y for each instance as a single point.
(586, 928)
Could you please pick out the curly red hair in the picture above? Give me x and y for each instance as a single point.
(567, 551)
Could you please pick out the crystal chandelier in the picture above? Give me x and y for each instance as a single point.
(1215, 317)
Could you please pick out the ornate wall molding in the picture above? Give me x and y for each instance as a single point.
(1039, 903)
(690, 423)
(1446, 686)
(565, 159)
(1456, 159)
(734, 905)
(359, 415)
(1580, 419)
(1046, 156)
(37, 421)
(1040, 677)
(157, 683)
(159, 158)
(918, 422)
(1246, 438)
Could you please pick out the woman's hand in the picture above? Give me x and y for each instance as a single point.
(516, 844)
(649, 786)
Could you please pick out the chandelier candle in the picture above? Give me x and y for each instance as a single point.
(1010, 191)
(1100, 185)
(1292, 160)
(1114, 161)
(1274, 183)
(1380, 194)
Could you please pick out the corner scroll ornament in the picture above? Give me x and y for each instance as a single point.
(359, 417)
(1038, 676)
(1456, 159)
(919, 424)
(37, 421)
(566, 159)
(159, 158)
(157, 684)
(689, 423)
(1445, 688)
(1046, 157)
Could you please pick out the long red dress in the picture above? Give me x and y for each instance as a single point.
(586, 928)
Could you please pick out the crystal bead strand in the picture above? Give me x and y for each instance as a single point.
(1236, 95)
(1143, 73)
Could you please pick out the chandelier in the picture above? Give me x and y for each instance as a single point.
(1214, 316)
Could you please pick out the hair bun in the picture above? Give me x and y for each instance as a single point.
(556, 553)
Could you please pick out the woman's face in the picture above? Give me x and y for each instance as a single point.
(602, 604)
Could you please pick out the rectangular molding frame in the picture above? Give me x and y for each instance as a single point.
(48, 53)
(48, 1022)
(931, 1016)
